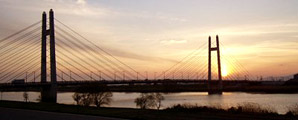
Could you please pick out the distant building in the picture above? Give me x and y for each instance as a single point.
(296, 76)
(273, 82)
(293, 81)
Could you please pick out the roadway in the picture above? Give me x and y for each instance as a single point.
(22, 114)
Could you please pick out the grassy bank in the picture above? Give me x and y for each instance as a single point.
(181, 113)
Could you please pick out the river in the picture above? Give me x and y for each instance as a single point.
(280, 102)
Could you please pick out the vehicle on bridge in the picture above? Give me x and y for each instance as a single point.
(18, 81)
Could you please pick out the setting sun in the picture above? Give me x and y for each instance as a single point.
(224, 70)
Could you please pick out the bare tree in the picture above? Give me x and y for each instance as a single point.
(99, 98)
(159, 98)
(86, 99)
(102, 98)
(93, 94)
(141, 101)
(26, 96)
(147, 101)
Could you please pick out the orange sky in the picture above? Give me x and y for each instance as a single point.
(154, 35)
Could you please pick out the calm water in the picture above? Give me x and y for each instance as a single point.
(280, 102)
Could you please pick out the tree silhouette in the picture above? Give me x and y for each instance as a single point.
(91, 94)
(98, 99)
(76, 97)
(149, 100)
(26, 96)
(159, 98)
(102, 98)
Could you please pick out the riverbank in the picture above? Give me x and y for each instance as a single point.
(130, 113)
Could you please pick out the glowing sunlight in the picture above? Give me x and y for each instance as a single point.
(224, 70)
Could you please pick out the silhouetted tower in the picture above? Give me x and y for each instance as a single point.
(44, 48)
(49, 91)
(214, 87)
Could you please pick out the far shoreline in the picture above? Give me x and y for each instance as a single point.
(174, 88)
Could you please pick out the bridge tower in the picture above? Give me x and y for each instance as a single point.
(49, 91)
(214, 87)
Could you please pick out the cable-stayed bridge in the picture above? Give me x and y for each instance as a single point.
(48, 55)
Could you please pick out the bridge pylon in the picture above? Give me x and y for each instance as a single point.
(49, 91)
(214, 87)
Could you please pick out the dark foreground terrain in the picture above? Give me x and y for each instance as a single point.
(25, 114)
(129, 113)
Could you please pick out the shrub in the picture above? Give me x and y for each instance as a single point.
(77, 97)
(241, 108)
(194, 108)
(249, 107)
(293, 110)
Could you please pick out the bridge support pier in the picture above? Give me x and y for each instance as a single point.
(214, 87)
(49, 91)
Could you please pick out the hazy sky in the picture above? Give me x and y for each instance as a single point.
(151, 35)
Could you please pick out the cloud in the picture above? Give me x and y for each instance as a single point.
(69, 7)
(160, 16)
(78, 7)
(125, 54)
(117, 52)
(169, 42)
(259, 29)
(81, 2)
